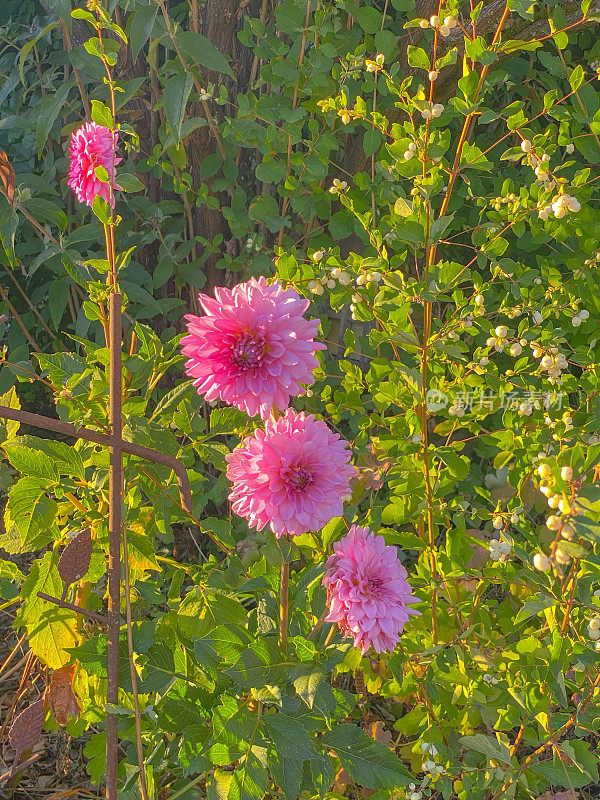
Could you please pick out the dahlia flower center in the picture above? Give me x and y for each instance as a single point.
(297, 479)
(249, 350)
(373, 584)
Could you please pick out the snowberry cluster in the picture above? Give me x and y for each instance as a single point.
(579, 317)
(444, 25)
(561, 204)
(429, 764)
(499, 550)
(338, 186)
(498, 342)
(511, 199)
(555, 523)
(376, 65)
(410, 151)
(456, 410)
(432, 111)
(316, 286)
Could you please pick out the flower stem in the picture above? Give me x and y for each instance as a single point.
(284, 604)
(318, 624)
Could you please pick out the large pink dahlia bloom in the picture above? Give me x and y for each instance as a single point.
(93, 146)
(252, 348)
(292, 476)
(367, 590)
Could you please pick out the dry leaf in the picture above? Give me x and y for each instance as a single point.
(75, 559)
(61, 696)
(570, 794)
(8, 177)
(379, 733)
(342, 780)
(27, 728)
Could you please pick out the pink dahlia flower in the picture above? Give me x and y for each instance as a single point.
(252, 348)
(292, 476)
(367, 590)
(93, 146)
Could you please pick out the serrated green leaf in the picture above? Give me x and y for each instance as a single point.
(493, 749)
(32, 513)
(370, 763)
(51, 630)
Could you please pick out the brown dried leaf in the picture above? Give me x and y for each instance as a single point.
(342, 780)
(8, 177)
(27, 728)
(61, 696)
(379, 733)
(75, 559)
(570, 794)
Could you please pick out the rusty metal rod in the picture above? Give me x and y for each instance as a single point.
(72, 607)
(115, 492)
(16, 768)
(90, 435)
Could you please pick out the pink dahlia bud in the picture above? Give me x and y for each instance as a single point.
(292, 476)
(367, 591)
(93, 146)
(253, 348)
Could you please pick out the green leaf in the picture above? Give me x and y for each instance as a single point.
(266, 209)
(30, 461)
(289, 737)
(497, 751)
(61, 367)
(306, 680)
(248, 782)
(130, 183)
(222, 645)
(29, 45)
(370, 763)
(202, 51)
(51, 630)
(226, 420)
(577, 77)
(32, 513)
(76, 270)
(101, 209)
(102, 115)
(48, 111)
(524, 8)
(534, 606)
(159, 668)
(417, 57)
(8, 227)
(172, 399)
(63, 456)
(8, 428)
(402, 207)
(369, 19)
(259, 665)
(47, 211)
(139, 27)
(288, 774)
(176, 93)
